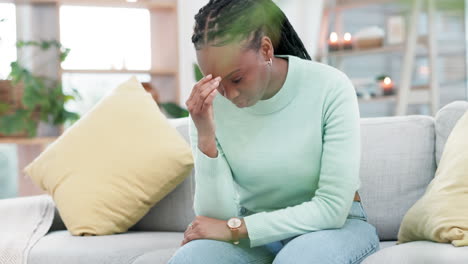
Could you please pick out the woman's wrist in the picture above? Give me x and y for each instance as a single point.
(207, 145)
(243, 230)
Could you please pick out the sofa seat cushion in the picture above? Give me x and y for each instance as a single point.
(386, 244)
(397, 164)
(426, 252)
(60, 247)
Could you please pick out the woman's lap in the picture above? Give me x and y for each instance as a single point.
(208, 251)
(350, 244)
(356, 240)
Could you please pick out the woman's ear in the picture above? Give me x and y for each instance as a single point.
(266, 48)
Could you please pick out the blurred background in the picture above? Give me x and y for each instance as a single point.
(58, 58)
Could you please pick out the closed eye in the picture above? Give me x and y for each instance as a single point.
(237, 81)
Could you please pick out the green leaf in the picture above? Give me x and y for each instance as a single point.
(64, 54)
(381, 77)
(4, 108)
(174, 110)
(69, 98)
(18, 122)
(45, 45)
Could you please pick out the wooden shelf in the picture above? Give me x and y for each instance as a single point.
(345, 4)
(360, 52)
(163, 72)
(100, 71)
(27, 141)
(153, 5)
(378, 50)
(388, 49)
(389, 98)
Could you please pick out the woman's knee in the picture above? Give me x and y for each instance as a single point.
(206, 251)
(196, 251)
(350, 244)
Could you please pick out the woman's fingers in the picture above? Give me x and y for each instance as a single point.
(205, 91)
(196, 87)
(200, 91)
(185, 240)
(209, 99)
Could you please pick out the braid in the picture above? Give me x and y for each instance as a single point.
(221, 22)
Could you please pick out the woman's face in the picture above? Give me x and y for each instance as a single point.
(245, 73)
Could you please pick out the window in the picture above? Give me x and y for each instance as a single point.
(7, 38)
(106, 49)
(108, 39)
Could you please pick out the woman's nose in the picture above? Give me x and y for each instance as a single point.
(230, 93)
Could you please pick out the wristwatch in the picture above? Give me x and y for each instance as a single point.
(234, 223)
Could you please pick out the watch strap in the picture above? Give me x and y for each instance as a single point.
(235, 235)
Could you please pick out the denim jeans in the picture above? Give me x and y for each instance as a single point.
(349, 244)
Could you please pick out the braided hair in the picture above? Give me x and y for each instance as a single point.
(221, 22)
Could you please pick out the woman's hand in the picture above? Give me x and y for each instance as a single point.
(200, 106)
(207, 228)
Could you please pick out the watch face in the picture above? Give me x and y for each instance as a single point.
(234, 222)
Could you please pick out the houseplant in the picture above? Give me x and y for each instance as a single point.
(173, 109)
(42, 98)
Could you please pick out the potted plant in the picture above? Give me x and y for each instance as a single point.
(173, 109)
(42, 100)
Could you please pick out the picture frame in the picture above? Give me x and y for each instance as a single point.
(396, 30)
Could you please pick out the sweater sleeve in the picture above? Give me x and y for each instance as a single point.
(215, 195)
(338, 180)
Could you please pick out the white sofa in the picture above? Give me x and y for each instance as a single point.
(399, 159)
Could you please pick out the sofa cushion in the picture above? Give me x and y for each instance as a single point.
(419, 252)
(445, 120)
(108, 169)
(175, 211)
(396, 166)
(386, 244)
(441, 215)
(155, 256)
(60, 247)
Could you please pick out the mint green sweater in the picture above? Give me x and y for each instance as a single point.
(293, 160)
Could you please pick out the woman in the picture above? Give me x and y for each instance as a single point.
(276, 143)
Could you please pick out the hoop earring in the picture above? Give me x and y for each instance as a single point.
(270, 62)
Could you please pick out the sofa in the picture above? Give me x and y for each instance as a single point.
(399, 158)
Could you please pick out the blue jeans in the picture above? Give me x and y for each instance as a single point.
(350, 244)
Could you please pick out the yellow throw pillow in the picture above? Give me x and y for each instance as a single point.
(110, 167)
(441, 215)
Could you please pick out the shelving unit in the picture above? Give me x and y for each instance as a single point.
(153, 73)
(405, 94)
(27, 141)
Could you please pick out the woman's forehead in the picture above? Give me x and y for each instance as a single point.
(220, 61)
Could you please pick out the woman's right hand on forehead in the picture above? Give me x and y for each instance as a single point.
(200, 105)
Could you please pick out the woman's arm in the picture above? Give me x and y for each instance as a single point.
(215, 195)
(339, 175)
